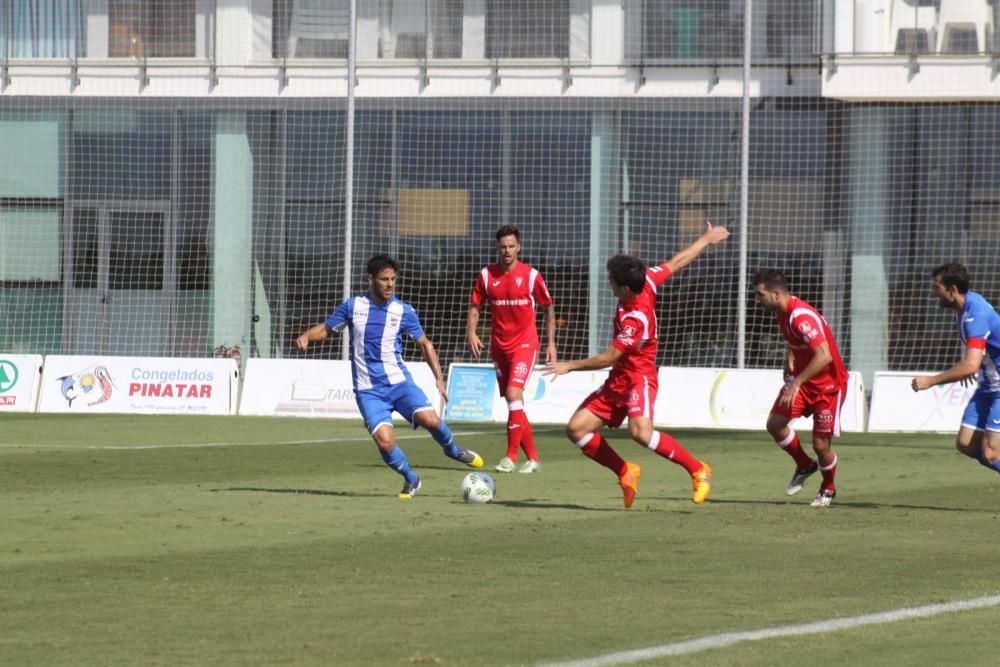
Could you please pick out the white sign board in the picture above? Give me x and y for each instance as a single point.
(473, 394)
(146, 385)
(20, 375)
(896, 407)
(741, 399)
(313, 388)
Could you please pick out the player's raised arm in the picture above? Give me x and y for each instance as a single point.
(711, 236)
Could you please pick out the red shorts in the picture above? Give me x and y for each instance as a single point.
(614, 406)
(824, 409)
(514, 367)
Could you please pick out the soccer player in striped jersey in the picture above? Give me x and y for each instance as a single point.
(512, 288)
(630, 390)
(979, 330)
(376, 322)
(815, 384)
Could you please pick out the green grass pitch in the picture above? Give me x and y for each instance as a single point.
(130, 540)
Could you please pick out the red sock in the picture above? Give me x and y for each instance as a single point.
(527, 437)
(515, 431)
(793, 448)
(668, 448)
(596, 447)
(829, 472)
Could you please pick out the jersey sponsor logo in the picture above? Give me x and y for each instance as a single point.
(808, 333)
(626, 340)
(496, 283)
(510, 302)
(628, 330)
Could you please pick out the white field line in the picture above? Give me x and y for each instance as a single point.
(203, 445)
(818, 627)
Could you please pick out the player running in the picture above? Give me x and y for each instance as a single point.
(630, 390)
(815, 384)
(979, 330)
(512, 288)
(382, 383)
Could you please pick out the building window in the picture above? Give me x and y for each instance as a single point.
(43, 29)
(420, 28)
(158, 29)
(683, 30)
(527, 29)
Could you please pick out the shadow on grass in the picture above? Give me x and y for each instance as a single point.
(836, 504)
(537, 504)
(304, 492)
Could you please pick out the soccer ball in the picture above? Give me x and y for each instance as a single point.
(478, 487)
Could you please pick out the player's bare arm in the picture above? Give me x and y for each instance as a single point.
(550, 334)
(602, 360)
(711, 236)
(471, 323)
(821, 358)
(315, 333)
(431, 357)
(969, 365)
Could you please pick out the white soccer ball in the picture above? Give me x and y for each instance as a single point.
(478, 487)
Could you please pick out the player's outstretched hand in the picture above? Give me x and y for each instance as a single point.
(302, 342)
(555, 369)
(920, 383)
(715, 233)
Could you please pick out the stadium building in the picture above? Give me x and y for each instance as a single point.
(184, 176)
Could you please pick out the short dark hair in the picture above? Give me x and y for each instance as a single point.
(771, 279)
(952, 275)
(379, 263)
(509, 230)
(627, 271)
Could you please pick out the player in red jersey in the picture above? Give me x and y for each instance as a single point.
(815, 384)
(512, 288)
(630, 390)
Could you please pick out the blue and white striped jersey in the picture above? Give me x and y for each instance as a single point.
(376, 339)
(979, 327)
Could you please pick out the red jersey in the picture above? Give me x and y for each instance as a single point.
(635, 335)
(805, 329)
(512, 296)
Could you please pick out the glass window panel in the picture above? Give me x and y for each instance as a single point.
(527, 29)
(85, 248)
(120, 154)
(153, 28)
(30, 143)
(135, 250)
(30, 247)
(43, 28)
(683, 29)
(420, 28)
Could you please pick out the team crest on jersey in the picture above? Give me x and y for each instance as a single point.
(628, 330)
(808, 333)
(393, 321)
(518, 281)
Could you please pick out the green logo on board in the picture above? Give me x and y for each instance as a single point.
(8, 375)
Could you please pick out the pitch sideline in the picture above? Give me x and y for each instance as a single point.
(817, 627)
